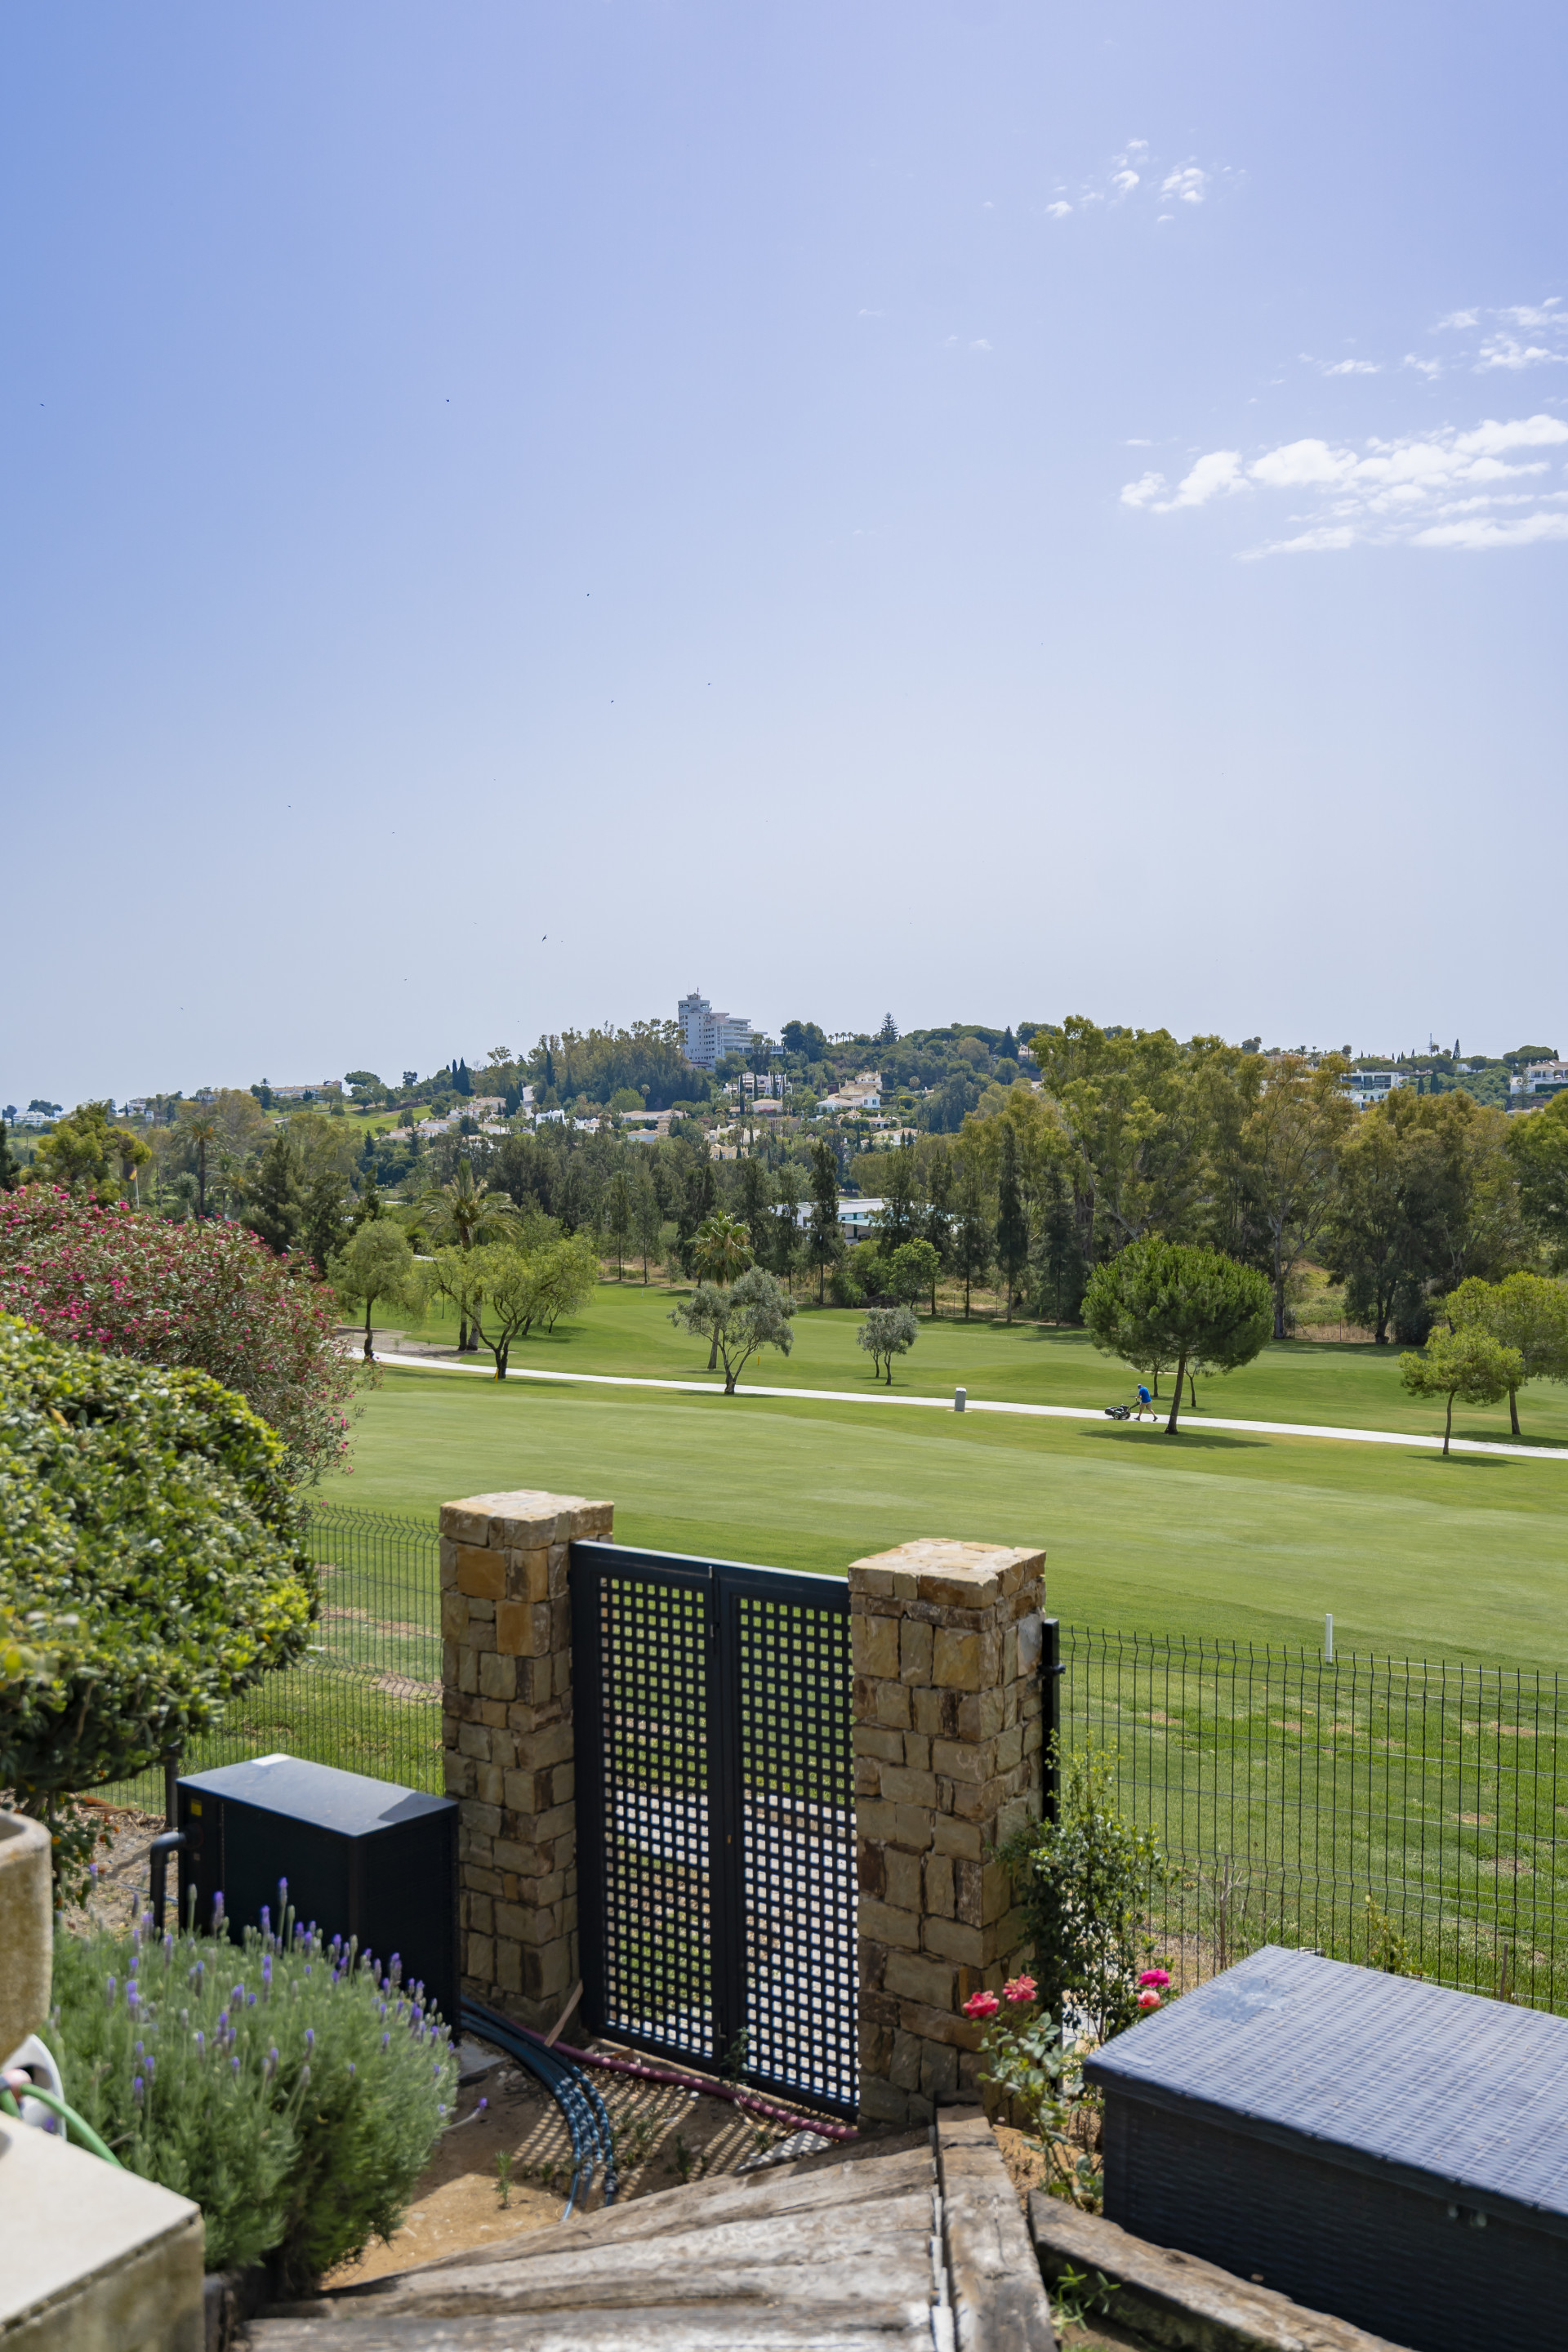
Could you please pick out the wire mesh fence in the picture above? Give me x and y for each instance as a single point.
(368, 1696)
(1379, 1810)
(1368, 1807)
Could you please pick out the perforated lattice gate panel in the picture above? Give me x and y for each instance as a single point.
(715, 1807)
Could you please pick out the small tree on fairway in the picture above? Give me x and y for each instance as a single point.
(720, 1249)
(887, 1332)
(1526, 1311)
(752, 1313)
(376, 1263)
(913, 1270)
(1165, 1299)
(1468, 1364)
(824, 1242)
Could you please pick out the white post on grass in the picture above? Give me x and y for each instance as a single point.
(1328, 1641)
(960, 1398)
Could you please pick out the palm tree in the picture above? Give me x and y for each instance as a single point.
(720, 1249)
(201, 1127)
(459, 1212)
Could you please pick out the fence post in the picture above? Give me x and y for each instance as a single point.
(945, 1641)
(1051, 1673)
(507, 1739)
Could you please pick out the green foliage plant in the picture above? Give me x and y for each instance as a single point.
(149, 1562)
(1170, 1301)
(291, 2086)
(1084, 1883)
(752, 1314)
(887, 1332)
(1468, 1365)
(914, 1268)
(1029, 2059)
(1527, 1311)
(376, 1263)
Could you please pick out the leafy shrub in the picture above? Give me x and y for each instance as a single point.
(208, 1296)
(844, 1287)
(149, 1564)
(1083, 1882)
(291, 2088)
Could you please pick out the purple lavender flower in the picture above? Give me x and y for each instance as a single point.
(351, 2070)
(136, 2090)
(271, 2068)
(234, 2065)
(201, 2043)
(386, 2040)
(110, 1990)
(217, 1911)
(310, 2037)
(132, 1996)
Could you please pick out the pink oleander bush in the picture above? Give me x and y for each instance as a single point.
(206, 1297)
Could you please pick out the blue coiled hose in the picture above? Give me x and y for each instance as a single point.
(587, 2118)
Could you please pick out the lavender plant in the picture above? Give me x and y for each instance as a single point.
(292, 2087)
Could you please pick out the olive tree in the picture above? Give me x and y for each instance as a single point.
(1467, 1364)
(752, 1314)
(887, 1332)
(376, 1263)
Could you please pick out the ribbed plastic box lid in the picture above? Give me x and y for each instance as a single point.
(1444, 2090)
(347, 1802)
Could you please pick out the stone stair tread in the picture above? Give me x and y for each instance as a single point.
(862, 2325)
(706, 2205)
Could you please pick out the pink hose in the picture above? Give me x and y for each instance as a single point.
(747, 2099)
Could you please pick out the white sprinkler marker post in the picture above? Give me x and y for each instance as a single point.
(960, 1398)
(1328, 1641)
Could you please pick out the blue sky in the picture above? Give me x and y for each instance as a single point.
(988, 510)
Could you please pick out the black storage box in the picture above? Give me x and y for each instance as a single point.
(361, 1857)
(1383, 2150)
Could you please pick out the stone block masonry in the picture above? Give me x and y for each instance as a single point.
(945, 1645)
(507, 1740)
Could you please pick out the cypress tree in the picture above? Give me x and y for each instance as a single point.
(273, 1206)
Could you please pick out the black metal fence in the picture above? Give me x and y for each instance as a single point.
(1376, 1810)
(1353, 1806)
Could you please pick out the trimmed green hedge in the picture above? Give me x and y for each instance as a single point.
(149, 1562)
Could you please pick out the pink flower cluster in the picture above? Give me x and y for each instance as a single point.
(1016, 1991)
(1153, 1984)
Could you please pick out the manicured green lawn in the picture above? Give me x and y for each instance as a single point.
(1210, 1533)
(626, 1328)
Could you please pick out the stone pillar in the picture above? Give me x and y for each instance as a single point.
(946, 1645)
(506, 1733)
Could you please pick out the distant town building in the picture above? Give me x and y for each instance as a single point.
(854, 1096)
(1543, 1079)
(306, 1094)
(707, 1036)
(1365, 1088)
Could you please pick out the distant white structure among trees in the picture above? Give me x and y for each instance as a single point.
(707, 1036)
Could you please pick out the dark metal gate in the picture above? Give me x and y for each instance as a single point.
(715, 1785)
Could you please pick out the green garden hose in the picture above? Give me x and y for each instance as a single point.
(74, 2127)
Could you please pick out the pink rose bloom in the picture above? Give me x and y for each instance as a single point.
(1020, 1988)
(982, 2004)
(1149, 1999)
(1159, 1978)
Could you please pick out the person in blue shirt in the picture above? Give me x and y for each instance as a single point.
(1144, 1399)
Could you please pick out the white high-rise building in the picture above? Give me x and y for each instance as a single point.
(707, 1036)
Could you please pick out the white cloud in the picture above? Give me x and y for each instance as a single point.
(1187, 183)
(980, 345)
(1211, 478)
(872, 314)
(1136, 173)
(1523, 530)
(1414, 489)
(1540, 315)
(1140, 441)
(1428, 368)
(1458, 319)
(1507, 352)
(1353, 367)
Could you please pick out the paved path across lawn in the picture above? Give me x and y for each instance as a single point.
(985, 1404)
